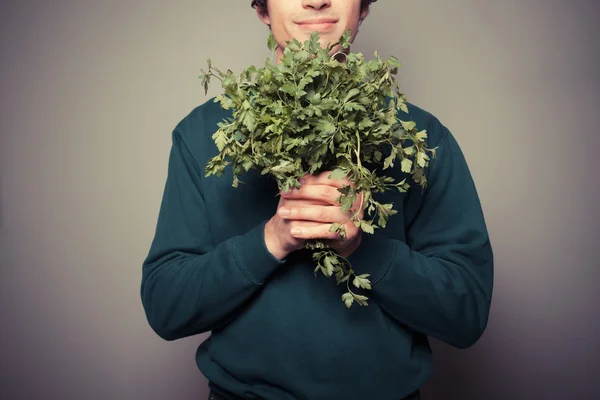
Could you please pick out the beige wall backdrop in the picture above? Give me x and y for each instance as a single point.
(91, 90)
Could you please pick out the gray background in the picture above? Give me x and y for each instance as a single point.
(90, 91)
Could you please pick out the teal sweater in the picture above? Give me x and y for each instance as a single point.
(280, 332)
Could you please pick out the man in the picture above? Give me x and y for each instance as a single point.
(231, 261)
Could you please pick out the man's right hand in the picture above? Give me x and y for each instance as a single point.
(311, 210)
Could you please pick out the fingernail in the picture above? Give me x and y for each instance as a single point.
(296, 231)
(284, 212)
(302, 181)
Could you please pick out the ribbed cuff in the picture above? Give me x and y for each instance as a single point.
(253, 257)
(373, 256)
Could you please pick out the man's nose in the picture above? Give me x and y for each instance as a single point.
(316, 4)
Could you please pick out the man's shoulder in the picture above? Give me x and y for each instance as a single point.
(202, 120)
(436, 131)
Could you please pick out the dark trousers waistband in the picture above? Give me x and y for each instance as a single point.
(217, 393)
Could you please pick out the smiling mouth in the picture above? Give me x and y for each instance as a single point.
(320, 25)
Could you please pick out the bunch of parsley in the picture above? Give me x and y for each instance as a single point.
(315, 111)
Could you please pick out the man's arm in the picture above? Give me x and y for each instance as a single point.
(440, 281)
(190, 286)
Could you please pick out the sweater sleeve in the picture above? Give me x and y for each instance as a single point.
(189, 285)
(440, 281)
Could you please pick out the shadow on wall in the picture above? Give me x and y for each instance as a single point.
(458, 374)
(1, 203)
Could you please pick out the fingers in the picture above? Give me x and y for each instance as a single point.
(317, 203)
(323, 179)
(314, 213)
(324, 193)
(301, 203)
(278, 238)
(305, 231)
(308, 212)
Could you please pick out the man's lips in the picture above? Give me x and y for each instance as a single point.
(318, 24)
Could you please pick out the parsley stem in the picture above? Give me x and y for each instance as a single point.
(211, 73)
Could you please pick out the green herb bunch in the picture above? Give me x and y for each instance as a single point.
(315, 111)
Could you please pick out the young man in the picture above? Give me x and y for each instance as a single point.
(231, 261)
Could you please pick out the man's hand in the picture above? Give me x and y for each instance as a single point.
(307, 213)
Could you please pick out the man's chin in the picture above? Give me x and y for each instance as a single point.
(324, 41)
(324, 37)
